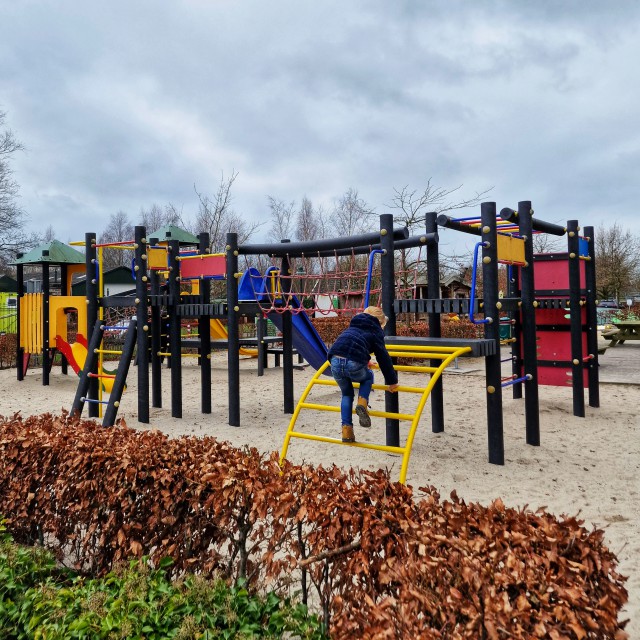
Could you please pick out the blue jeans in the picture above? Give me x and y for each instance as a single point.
(346, 372)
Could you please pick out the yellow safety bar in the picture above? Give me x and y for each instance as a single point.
(445, 354)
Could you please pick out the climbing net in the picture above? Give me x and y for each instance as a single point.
(323, 285)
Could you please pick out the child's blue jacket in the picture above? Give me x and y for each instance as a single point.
(364, 336)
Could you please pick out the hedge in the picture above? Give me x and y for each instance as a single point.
(377, 560)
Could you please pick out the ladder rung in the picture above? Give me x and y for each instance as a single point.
(381, 387)
(117, 353)
(94, 401)
(378, 414)
(362, 445)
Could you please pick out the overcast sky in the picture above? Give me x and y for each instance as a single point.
(124, 104)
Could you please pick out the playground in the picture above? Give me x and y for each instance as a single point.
(587, 465)
(547, 450)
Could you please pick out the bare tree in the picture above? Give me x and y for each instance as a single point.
(119, 229)
(12, 218)
(49, 234)
(617, 261)
(307, 227)
(217, 217)
(351, 215)
(282, 219)
(412, 205)
(546, 243)
(156, 217)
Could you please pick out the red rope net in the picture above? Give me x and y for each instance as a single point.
(322, 286)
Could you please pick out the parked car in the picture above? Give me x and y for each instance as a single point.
(609, 304)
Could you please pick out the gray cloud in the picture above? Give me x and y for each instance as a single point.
(125, 104)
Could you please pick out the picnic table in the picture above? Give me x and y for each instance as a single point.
(623, 330)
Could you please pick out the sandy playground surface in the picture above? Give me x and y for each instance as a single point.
(587, 466)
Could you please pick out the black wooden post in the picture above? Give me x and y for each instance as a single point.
(142, 313)
(492, 332)
(175, 338)
(46, 354)
(64, 291)
(261, 331)
(19, 349)
(592, 320)
(575, 318)
(287, 336)
(204, 331)
(233, 309)
(435, 327)
(91, 292)
(528, 316)
(391, 401)
(156, 335)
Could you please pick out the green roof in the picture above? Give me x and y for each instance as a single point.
(54, 252)
(171, 232)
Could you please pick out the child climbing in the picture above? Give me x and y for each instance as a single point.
(349, 357)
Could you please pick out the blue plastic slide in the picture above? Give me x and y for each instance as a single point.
(306, 339)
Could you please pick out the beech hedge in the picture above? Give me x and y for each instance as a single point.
(374, 559)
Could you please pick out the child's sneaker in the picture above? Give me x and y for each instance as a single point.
(363, 416)
(347, 433)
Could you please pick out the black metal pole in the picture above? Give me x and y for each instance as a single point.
(492, 332)
(142, 313)
(391, 401)
(91, 291)
(575, 318)
(204, 331)
(233, 351)
(46, 354)
(287, 337)
(592, 320)
(528, 316)
(175, 338)
(156, 335)
(435, 326)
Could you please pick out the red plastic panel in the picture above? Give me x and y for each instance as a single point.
(554, 274)
(203, 267)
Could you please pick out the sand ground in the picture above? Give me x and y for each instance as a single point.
(588, 466)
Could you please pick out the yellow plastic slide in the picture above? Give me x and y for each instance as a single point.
(219, 332)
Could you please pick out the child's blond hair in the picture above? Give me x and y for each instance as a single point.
(377, 312)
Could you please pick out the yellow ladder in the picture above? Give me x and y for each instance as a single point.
(445, 354)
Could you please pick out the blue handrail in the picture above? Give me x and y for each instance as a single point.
(473, 285)
(367, 291)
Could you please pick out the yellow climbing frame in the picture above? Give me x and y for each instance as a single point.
(446, 355)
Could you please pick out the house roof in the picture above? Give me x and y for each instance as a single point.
(8, 284)
(171, 232)
(54, 252)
